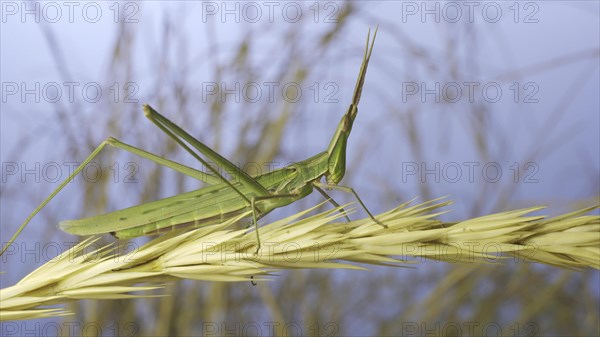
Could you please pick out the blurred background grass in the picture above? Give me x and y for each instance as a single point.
(167, 59)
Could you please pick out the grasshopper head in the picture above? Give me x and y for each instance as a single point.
(337, 147)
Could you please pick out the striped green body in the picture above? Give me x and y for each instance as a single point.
(225, 199)
(204, 206)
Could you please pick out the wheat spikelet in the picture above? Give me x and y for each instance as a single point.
(219, 253)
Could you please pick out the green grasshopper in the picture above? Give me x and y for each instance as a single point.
(225, 198)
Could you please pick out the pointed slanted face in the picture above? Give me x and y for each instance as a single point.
(337, 147)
